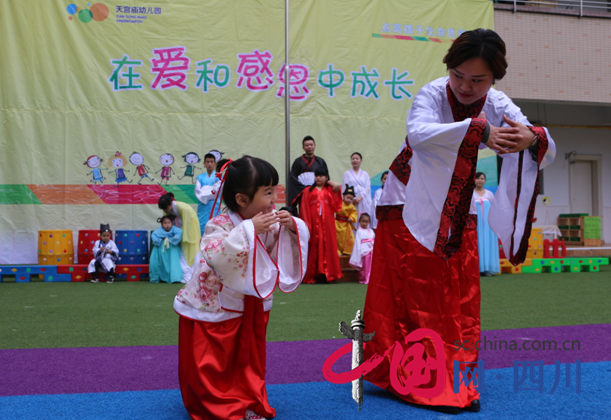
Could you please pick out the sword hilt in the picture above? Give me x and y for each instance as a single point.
(358, 324)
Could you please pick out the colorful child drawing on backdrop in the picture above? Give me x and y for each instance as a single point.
(117, 161)
(137, 160)
(94, 162)
(166, 172)
(191, 158)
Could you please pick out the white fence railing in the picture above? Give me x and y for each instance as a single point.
(573, 5)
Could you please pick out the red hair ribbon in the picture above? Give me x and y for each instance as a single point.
(222, 175)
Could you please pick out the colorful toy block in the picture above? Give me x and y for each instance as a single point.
(555, 265)
(23, 273)
(558, 248)
(79, 271)
(507, 267)
(571, 264)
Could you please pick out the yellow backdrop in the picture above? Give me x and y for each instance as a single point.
(108, 80)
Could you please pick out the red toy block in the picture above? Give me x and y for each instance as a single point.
(79, 271)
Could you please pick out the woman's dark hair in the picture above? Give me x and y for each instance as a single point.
(245, 176)
(356, 153)
(165, 201)
(483, 43)
(167, 216)
(320, 171)
(384, 173)
(364, 214)
(478, 174)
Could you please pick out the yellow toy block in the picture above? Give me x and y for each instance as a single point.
(506, 266)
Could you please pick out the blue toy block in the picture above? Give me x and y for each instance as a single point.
(23, 273)
(54, 278)
(22, 278)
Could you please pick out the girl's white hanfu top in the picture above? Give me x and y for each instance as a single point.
(433, 143)
(236, 261)
(363, 245)
(374, 203)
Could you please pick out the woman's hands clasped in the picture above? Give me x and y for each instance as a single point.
(512, 139)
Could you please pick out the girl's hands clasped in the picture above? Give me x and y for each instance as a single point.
(286, 220)
(263, 222)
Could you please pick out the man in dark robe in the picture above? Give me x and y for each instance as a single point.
(305, 163)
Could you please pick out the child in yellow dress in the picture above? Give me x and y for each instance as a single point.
(344, 220)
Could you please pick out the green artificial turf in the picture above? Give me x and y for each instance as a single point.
(39, 315)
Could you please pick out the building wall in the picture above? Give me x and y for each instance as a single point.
(556, 176)
(555, 57)
(558, 74)
(585, 129)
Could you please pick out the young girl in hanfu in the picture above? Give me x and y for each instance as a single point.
(247, 251)
(318, 204)
(362, 252)
(165, 258)
(343, 223)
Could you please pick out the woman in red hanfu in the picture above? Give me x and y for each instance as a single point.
(318, 204)
(425, 270)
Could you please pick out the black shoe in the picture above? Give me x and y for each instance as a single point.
(474, 407)
(446, 409)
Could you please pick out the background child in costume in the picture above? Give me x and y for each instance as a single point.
(105, 255)
(186, 219)
(375, 200)
(318, 204)
(363, 249)
(165, 258)
(206, 188)
(487, 241)
(247, 251)
(344, 219)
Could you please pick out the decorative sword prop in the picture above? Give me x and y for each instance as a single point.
(358, 338)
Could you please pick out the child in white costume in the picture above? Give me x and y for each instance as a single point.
(105, 255)
(362, 252)
(246, 252)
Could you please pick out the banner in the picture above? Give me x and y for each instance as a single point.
(100, 103)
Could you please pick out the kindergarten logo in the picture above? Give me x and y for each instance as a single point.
(97, 12)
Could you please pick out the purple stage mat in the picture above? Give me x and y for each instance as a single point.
(111, 369)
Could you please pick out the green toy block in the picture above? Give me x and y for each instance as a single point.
(532, 269)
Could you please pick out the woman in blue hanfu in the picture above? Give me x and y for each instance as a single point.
(487, 241)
